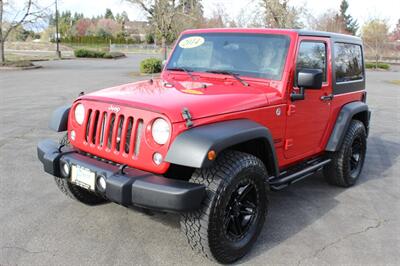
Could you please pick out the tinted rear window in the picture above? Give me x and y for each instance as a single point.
(348, 62)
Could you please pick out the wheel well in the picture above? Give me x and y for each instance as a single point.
(257, 147)
(179, 172)
(363, 117)
(260, 149)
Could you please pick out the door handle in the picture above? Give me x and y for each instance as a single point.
(326, 98)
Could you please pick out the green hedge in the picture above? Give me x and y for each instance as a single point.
(380, 65)
(97, 54)
(99, 40)
(113, 55)
(89, 53)
(150, 65)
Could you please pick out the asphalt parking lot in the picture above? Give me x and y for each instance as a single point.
(308, 223)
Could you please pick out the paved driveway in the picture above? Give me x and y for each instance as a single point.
(308, 223)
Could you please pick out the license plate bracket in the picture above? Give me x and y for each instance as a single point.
(83, 177)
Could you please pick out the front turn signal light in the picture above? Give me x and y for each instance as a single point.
(211, 155)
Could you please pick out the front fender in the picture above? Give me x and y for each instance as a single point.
(59, 119)
(190, 148)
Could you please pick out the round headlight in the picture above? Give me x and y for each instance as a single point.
(79, 113)
(160, 131)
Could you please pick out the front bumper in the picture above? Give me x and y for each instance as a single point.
(127, 187)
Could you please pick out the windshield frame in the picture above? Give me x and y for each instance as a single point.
(243, 76)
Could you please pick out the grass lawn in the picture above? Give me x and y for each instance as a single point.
(95, 47)
(397, 82)
(26, 56)
(17, 64)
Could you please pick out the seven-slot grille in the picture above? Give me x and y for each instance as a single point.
(114, 132)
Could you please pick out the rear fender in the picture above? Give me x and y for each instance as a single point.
(354, 110)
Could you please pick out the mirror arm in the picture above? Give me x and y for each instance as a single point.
(297, 96)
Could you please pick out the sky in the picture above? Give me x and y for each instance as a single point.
(362, 10)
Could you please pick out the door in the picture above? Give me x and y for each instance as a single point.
(308, 119)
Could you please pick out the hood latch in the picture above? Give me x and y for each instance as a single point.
(187, 116)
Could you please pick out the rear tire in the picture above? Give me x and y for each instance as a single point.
(347, 163)
(73, 191)
(233, 212)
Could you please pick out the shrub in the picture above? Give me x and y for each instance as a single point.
(150, 65)
(97, 54)
(89, 53)
(113, 55)
(370, 65)
(98, 40)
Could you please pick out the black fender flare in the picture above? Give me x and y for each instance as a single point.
(190, 148)
(59, 119)
(346, 114)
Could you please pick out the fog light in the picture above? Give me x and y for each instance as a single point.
(65, 169)
(101, 183)
(157, 158)
(73, 135)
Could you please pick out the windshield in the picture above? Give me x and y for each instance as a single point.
(252, 55)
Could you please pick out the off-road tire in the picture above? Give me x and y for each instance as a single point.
(338, 172)
(75, 192)
(204, 228)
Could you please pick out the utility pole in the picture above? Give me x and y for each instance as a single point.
(58, 52)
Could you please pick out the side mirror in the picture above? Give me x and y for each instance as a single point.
(307, 79)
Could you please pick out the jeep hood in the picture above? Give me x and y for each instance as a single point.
(169, 98)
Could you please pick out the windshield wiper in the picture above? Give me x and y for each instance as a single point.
(226, 72)
(186, 70)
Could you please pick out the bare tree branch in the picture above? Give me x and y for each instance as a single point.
(32, 12)
(145, 5)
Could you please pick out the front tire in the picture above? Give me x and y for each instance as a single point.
(233, 212)
(347, 163)
(77, 193)
(73, 191)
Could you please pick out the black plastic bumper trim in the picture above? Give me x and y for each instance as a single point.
(135, 187)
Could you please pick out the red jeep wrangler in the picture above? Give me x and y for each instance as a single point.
(236, 113)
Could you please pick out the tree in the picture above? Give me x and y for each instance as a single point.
(191, 7)
(279, 14)
(30, 12)
(65, 24)
(375, 33)
(109, 14)
(350, 24)
(328, 21)
(189, 15)
(76, 17)
(395, 35)
(107, 28)
(161, 15)
(217, 20)
(82, 27)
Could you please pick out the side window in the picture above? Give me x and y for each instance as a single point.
(312, 55)
(348, 62)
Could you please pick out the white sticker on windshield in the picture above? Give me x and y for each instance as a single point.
(191, 42)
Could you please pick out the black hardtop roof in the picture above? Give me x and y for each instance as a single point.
(335, 36)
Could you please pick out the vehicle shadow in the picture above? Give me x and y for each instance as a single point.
(300, 205)
(303, 203)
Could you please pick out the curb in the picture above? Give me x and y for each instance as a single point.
(19, 68)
